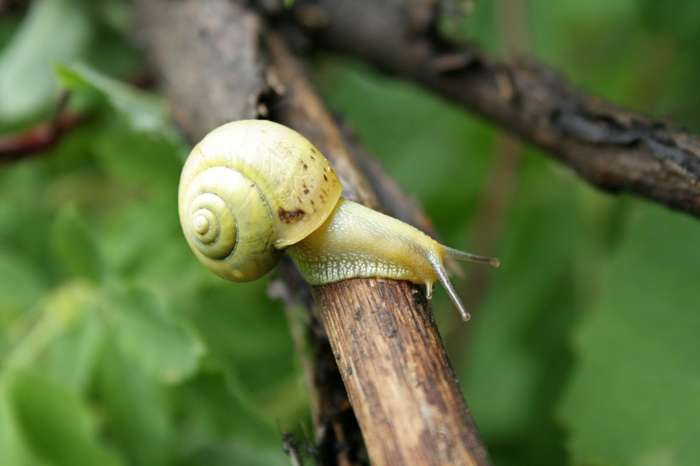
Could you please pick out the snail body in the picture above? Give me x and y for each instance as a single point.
(357, 241)
(253, 188)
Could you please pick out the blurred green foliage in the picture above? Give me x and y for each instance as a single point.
(117, 348)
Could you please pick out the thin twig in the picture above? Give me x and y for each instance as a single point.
(42, 136)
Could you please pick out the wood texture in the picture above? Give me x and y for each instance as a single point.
(207, 55)
(404, 392)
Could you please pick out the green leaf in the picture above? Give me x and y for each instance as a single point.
(142, 111)
(54, 31)
(74, 245)
(50, 421)
(135, 410)
(24, 218)
(151, 164)
(59, 311)
(13, 448)
(233, 321)
(20, 287)
(73, 357)
(130, 239)
(228, 453)
(635, 394)
(149, 337)
(215, 415)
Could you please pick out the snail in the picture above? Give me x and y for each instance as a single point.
(252, 189)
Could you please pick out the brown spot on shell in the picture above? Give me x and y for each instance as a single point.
(290, 216)
(325, 178)
(306, 190)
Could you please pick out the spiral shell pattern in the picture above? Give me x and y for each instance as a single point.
(225, 219)
(249, 189)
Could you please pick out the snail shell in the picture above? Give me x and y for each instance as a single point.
(249, 189)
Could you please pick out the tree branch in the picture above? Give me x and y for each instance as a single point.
(392, 360)
(403, 391)
(208, 57)
(614, 149)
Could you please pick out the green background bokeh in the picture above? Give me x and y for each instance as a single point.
(118, 348)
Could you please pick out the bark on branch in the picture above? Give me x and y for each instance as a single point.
(402, 389)
(614, 149)
(392, 360)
